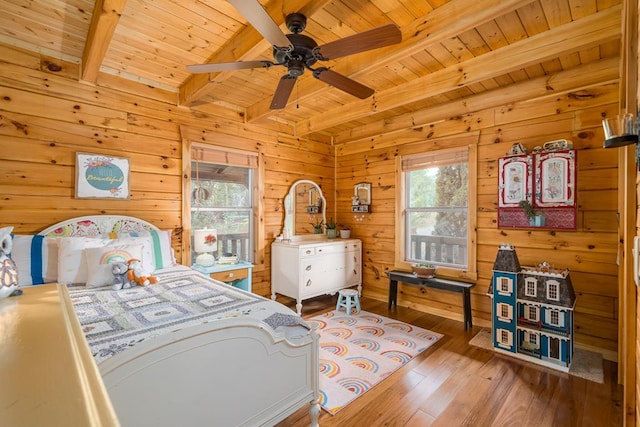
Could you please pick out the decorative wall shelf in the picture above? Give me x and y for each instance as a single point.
(547, 180)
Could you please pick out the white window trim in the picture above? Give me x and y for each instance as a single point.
(530, 281)
(501, 280)
(536, 316)
(553, 284)
(561, 318)
(469, 140)
(508, 343)
(509, 308)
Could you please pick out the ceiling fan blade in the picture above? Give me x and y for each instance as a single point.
(384, 35)
(262, 22)
(283, 91)
(228, 66)
(343, 83)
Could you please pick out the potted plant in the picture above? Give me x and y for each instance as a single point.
(317, 226)
(345, 231)
(536, 218)
(424, 269)
(332, 233)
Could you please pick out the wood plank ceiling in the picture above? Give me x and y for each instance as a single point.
(451, 50)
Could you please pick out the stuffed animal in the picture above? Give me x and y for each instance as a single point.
(138, 275)
(8, 269)
(120, 279)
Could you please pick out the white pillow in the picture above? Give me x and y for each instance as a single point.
(36, 259)
(163, 255)
(160, 246)
(99, 261)
(147, 256)
(72, 264)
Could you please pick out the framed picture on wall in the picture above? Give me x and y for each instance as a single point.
(101, 177)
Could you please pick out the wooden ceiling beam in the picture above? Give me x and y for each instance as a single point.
(569, 38)
(416, 125)
(246, 44)
(449, 20)
(106, 14)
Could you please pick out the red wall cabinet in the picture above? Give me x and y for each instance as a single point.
(547, 180)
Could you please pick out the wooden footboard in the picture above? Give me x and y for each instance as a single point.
(235, 373)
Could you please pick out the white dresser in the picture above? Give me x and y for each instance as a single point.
(306, 269)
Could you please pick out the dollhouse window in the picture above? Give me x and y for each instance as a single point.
(533, 340)
(530, 289)
(505, 338)
(505, 285)
(505, 312)
(552, 290)
(554, 318)
(531, 313)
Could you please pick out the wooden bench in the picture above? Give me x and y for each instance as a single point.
(408, 277)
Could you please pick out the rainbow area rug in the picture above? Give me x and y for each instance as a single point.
(359, 351)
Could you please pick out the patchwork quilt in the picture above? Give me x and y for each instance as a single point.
(115, 320)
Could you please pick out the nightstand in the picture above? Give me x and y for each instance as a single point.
(238, 275)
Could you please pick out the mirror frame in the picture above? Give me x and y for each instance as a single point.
(288, 230)
(362, 188)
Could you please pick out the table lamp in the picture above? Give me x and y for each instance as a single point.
(205, 241)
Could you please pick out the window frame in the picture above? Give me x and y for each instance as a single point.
(470, 273)
(553, 290)
(189, 142)
(531, 287)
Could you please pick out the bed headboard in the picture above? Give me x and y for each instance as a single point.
(98, 226)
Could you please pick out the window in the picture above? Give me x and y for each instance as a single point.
(222, 197)
(439, 208)
(552, 290)
(505, 285)
(505, 312)
(504, 338)
(555, 319)
(531, 313)
(533, 339)
(530, 287)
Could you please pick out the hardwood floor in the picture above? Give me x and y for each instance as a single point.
(456, 384)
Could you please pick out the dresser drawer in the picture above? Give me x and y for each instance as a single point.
(230, 276)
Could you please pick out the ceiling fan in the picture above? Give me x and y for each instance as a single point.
(298, 52)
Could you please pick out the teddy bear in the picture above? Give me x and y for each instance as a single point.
(138, 275)
(120, 279)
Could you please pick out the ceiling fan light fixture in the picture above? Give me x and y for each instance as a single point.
(296, 68)
(297, 51)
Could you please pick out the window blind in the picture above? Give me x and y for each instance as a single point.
(225, 156)
(435, 159)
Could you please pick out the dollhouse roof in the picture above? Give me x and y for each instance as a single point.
(507, 259)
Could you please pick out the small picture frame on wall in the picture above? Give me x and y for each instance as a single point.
(101, 177)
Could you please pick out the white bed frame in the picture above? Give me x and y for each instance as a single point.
(233, 372)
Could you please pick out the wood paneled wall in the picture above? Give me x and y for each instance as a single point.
(47, 117)
(590, 252)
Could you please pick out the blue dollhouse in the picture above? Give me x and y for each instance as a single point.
(532, 311)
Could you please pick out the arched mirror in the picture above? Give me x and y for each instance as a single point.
(304, 210)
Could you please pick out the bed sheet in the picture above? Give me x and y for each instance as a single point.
(116, 320)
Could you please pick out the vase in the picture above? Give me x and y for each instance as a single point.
(537, 221)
